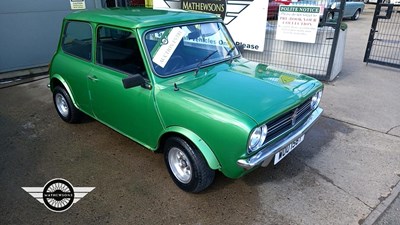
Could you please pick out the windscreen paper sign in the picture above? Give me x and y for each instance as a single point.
(166, 46)
(245, 19)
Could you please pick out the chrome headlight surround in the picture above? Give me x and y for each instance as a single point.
(257, 138)
(315, 100)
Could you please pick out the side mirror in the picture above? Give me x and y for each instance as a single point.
(133, 81)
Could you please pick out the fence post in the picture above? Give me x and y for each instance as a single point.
(335, 39)
(372, 32)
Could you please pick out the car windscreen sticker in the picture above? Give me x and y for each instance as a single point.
(166, 46)
(286, 79)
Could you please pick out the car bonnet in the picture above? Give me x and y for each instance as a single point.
(259, 91)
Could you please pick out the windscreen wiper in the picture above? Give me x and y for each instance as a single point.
(201, 62)
(230, 54)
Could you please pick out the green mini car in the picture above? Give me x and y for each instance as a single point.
(175, 82)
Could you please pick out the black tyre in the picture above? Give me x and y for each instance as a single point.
(64, 106)
(356, 15)
(187, 166)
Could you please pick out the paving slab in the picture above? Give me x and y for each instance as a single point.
(386, 210)
(395, 131)
(366, 95)
(391, 215)
(363, 163)
(302, 196)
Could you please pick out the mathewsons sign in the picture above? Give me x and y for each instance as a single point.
(245, 19)
(211, 6)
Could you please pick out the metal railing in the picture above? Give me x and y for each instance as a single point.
(384, 40)
(321, 59)
(308, 58)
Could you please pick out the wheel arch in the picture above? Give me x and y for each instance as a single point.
(57, 80)
(358, 10)
(184, 133)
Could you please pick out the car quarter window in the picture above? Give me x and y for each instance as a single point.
(77, 39)
(118, 49)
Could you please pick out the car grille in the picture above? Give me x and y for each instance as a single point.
(288, 120)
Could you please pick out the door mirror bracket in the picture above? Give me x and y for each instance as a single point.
(134, 81)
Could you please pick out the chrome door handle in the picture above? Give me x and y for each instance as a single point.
(92, 78)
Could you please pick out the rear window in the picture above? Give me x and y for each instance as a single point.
(77, 40)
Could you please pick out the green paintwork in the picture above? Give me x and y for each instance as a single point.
(216, 110)
(57, 77)
(139, 17)
(197, 141)
(259, 103)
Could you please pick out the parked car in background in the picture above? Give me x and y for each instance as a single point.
(176, 83)
(287, 2)
(352, 9)
(273, 9)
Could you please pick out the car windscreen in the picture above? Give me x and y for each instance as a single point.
(178, 49)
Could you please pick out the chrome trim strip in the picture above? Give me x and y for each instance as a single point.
(270, 151)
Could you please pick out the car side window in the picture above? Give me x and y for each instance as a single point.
(77, 39)
(118, 49)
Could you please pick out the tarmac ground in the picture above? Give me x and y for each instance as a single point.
(346, 171)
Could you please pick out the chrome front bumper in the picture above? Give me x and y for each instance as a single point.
(269, 152)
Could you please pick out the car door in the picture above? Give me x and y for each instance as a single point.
(76, 45)
(130, 111)
(349, 9)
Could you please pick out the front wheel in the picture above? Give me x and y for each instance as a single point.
(356, 15)
(64, 106)
(187, 166)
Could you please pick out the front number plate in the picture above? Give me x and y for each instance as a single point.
(284, 152)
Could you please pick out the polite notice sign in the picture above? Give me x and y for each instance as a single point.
(298, 23)
(245, 19)
(77, 4)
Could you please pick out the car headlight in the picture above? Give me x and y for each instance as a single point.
(257, 138)
(316, 99)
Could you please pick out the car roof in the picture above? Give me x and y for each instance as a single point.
(139, 17)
